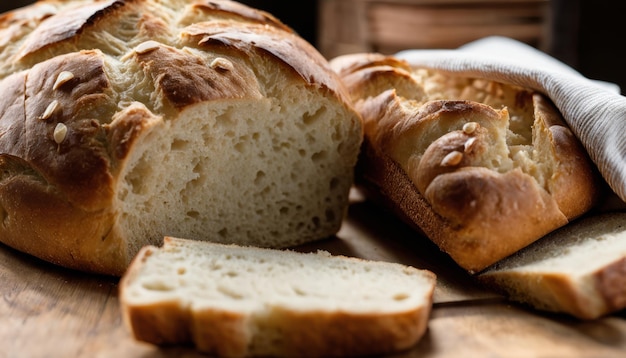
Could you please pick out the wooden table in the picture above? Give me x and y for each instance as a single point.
(48, 311)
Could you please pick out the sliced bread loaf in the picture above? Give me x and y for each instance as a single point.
(579, 269)
(122, 122)
(232, 300)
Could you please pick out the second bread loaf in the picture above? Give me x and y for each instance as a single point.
(482, 168)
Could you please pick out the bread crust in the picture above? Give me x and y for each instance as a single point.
(82, 83)
(459, 166)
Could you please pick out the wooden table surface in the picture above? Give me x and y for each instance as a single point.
(48, 311)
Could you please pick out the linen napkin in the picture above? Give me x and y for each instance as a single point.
(594, 110)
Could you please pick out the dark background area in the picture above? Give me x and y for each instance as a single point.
(589, 35)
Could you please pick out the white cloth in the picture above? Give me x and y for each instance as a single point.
(595, 110)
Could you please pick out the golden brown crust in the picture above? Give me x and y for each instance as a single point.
(184, 79)
(610, 282)
(482, 180)
(158, 322)
(259, 42)
(55, 196)
(67, 24)
(29, 130)
(312, 334)
(570, 184)
(337, 334)
(39, 220)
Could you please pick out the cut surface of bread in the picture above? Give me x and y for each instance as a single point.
(125, 121)
(231, 300)
(481, 168)
(579, 269)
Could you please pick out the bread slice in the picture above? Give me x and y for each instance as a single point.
(240, 301)
(579, 269)
(125, 121)
(481, 168)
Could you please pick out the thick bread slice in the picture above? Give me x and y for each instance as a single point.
(241, 301)
(579, 269)
(482, 168)
(125, 121)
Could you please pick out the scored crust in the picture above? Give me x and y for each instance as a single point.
(481, 168)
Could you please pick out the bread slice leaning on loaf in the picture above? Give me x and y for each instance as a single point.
(482, 168)
(239, 301)
(579, 269)
(125, 121)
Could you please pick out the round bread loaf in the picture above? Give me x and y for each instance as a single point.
(482, 168)
(125, 121)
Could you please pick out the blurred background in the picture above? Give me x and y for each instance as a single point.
(588, 35)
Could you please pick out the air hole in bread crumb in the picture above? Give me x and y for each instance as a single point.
(181, 271)
(309, 119)
(224, 233)
(260, 175)
(334, 184)
(400, 296)
(193, 214)
(319, 156)
(298, 291)
(157, 286)
(179, 145)
(227, 291)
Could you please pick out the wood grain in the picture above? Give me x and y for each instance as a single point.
(49, 311)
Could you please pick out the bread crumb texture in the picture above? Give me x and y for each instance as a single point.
(140, 119)
(279, 303)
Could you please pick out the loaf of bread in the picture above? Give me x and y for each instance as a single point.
(579, 269)
(481, 168)
(125, 121)
(236, 301)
